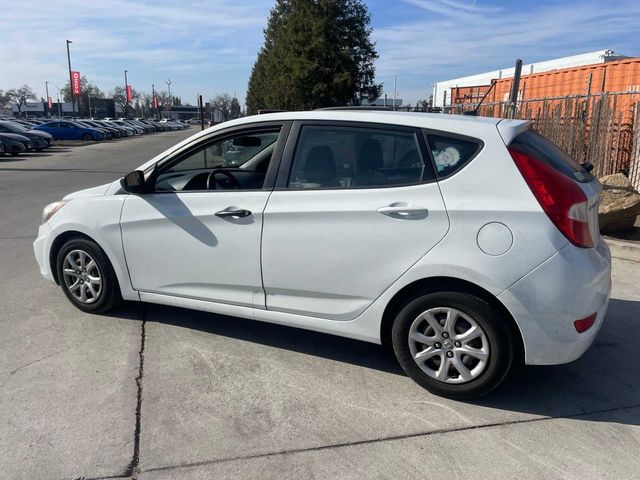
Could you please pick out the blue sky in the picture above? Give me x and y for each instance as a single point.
(209, 46)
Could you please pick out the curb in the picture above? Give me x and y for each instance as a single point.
(624, 250)
(74, 143)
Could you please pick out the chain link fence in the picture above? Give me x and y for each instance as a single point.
(602, 129)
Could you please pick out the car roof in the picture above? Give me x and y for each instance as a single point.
(436, 121)
(473, 126)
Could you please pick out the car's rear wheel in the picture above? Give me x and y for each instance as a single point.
(87, 277)
(453, 344)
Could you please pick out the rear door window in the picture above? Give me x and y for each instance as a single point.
(450, 153)
(339, 157)
(533, 144)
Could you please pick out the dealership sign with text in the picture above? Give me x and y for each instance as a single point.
(75, 83)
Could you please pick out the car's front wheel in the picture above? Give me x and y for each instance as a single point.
(87, 277)
(87, 137)
(453, 344)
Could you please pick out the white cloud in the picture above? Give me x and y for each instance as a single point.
(208, 46)
(151, 39)
(456, 38)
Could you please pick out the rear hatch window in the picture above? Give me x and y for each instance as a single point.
(537, 146)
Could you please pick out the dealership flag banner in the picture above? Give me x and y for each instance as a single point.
(155, 102)
(75, 79)
(129, 93)
(49, 102)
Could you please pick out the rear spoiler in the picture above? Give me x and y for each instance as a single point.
(510, 129)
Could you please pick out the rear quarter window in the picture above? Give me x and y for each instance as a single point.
(533, 144)
(450, 153)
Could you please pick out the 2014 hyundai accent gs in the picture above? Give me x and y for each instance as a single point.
(467, 244)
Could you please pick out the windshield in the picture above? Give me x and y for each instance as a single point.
(229, 154)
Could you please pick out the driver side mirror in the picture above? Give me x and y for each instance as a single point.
(134, 182)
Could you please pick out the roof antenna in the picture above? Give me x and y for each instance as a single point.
(474, 112)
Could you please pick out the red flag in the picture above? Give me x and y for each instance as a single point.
(75, 83)
(129, 93)
(49, 102)
(155, 102)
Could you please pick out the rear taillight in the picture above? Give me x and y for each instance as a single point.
(560, 197)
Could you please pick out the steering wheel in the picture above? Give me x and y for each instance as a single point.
(211, 179)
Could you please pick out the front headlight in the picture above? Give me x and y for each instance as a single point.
(50, 210)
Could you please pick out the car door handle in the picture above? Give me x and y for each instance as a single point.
(404, 210)
(240, 213)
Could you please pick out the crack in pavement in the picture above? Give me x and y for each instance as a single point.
(385, 439)
(133, 469)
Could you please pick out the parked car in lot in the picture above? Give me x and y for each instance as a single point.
(136, 129)
(106, 133)
(39, 140)
(15, 144)
(124, 132)
(69, 130)
(467, 244)
(114, 132)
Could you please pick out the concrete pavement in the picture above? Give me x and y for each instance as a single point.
(223, 397)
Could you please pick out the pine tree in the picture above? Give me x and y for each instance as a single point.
(317, 53)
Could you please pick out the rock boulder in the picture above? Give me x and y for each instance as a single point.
(619, 204)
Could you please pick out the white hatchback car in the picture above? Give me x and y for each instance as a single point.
(468, 244)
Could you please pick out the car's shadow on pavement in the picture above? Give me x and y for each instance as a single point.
(606, 378)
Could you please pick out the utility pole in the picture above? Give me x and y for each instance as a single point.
(515, 86)
(168, 82)
(153, 97)
(586, 102)
(126, 96)
(201, 112)
(46, 87)
(89, 101)
(73, 99)
(59, 107)
(395, 91)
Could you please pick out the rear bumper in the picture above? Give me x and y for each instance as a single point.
(571, 285)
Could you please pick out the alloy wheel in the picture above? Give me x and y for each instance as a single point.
(82, 276)
(448, 345)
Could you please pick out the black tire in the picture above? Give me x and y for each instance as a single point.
(87, 137)
(15, 154)
(501, 347)
(109, 295)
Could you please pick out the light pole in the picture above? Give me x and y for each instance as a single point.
(168, 82)
(126, 96)
(73, 104)
(153, 97)
(59, 105)
(46, 87)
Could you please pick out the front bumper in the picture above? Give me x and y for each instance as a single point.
(41, 247)
(571, 285)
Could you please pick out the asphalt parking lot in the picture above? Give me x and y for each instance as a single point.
(161, 393)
